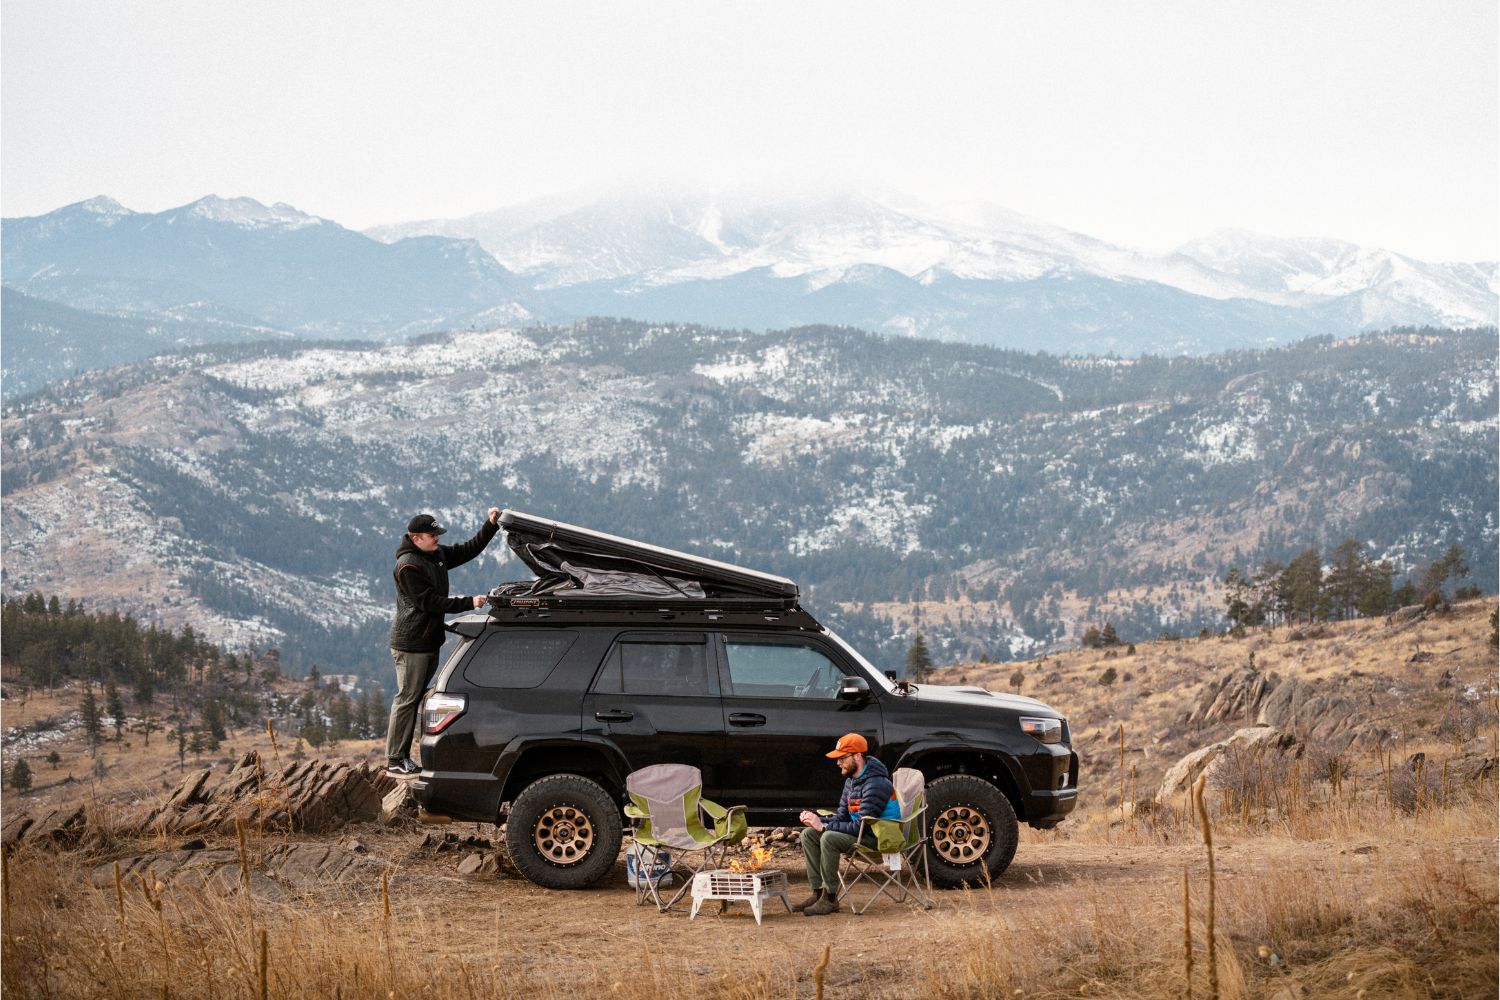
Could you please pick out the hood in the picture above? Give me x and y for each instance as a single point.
(958, 694)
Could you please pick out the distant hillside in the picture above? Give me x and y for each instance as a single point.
(258, 492)
(238, 262)
(46, 342)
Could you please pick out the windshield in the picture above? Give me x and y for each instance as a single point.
(875, 675)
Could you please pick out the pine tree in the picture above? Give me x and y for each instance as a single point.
(1450, 566)
(213, 718)
(89, 710)
(115, 706)
(20, 775)
(1017, 679)
(918, 659)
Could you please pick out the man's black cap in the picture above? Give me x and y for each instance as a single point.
(424, 524)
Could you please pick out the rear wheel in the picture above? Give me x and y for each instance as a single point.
(971, 829)
(563, 832)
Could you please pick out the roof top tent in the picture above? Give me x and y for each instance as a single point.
(579, 568)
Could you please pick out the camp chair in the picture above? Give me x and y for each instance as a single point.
(897, 865)
(666, 809)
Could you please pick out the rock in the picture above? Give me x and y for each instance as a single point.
(1234, 695)
(398, 805)
(1181, 776)
(55, 828)
(471, 864)
(314, 796)
(1297, 707)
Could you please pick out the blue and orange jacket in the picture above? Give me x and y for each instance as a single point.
(868, 793)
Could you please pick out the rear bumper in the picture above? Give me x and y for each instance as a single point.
(459, 794)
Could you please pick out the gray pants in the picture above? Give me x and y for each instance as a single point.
(822, 849)
(413, 673)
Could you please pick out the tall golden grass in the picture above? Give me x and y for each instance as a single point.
(1414, 922)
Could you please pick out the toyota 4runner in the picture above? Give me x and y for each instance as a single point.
(621, 654)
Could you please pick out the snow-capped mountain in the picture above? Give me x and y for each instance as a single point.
(236, 263)
(655, 255)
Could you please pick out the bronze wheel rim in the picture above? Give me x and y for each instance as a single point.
(564, 835)
(961, 835)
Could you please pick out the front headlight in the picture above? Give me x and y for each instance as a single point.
(1045, 730)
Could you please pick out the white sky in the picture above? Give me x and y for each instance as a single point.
(1142, 123)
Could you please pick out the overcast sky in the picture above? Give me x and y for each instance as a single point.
(1146, 124)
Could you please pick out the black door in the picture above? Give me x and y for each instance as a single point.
(782, 714)
(657, 699)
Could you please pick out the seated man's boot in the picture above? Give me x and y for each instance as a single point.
(828, 904)
(812, 900)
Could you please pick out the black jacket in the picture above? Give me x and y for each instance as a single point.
(422, 590)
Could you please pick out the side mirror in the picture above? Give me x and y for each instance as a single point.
(890, 675)
(854, 689)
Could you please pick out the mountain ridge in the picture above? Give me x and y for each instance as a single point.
(253, 490)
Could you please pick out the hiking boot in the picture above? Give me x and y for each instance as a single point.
(816, 897)
(403, 767)
(828, 904)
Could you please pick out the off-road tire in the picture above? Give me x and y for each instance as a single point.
(971, 831)
(563, 831)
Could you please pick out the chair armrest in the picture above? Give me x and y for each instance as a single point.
(636, 812)
(728, 821)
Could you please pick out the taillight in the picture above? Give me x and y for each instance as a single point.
(439, 711)
(1045, 730)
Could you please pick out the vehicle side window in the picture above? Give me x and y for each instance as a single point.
(517, 658)
(781, 670)
(655, 668)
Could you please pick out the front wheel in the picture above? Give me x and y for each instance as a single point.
(563, 832)
(971, 830)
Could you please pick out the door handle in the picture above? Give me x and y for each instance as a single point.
(746, 719)
(614, 715)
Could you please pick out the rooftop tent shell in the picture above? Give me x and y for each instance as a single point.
(573, 563)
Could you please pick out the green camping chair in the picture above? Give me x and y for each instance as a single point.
(666, 812)
(897, 866)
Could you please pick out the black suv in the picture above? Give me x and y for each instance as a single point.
(622, 654)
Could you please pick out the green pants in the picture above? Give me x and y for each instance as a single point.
(822, 849)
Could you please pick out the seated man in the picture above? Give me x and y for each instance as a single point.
(867, 792)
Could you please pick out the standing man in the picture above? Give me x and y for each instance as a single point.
(422, 565)
(867, 792)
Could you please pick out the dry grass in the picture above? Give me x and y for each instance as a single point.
(1329, 881)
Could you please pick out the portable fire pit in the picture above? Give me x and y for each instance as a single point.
(753, 887)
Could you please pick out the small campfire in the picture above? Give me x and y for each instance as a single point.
(748, 880)
(759, 856)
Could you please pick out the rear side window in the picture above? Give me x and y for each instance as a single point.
(656, 667)
(517, 658)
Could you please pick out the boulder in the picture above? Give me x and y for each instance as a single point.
(398, 805)
(1298, 707)
(1235, 695)
(1177, 784)
(313, 796)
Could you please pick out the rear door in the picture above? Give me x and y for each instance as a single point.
(656, 697)
(782, 714)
